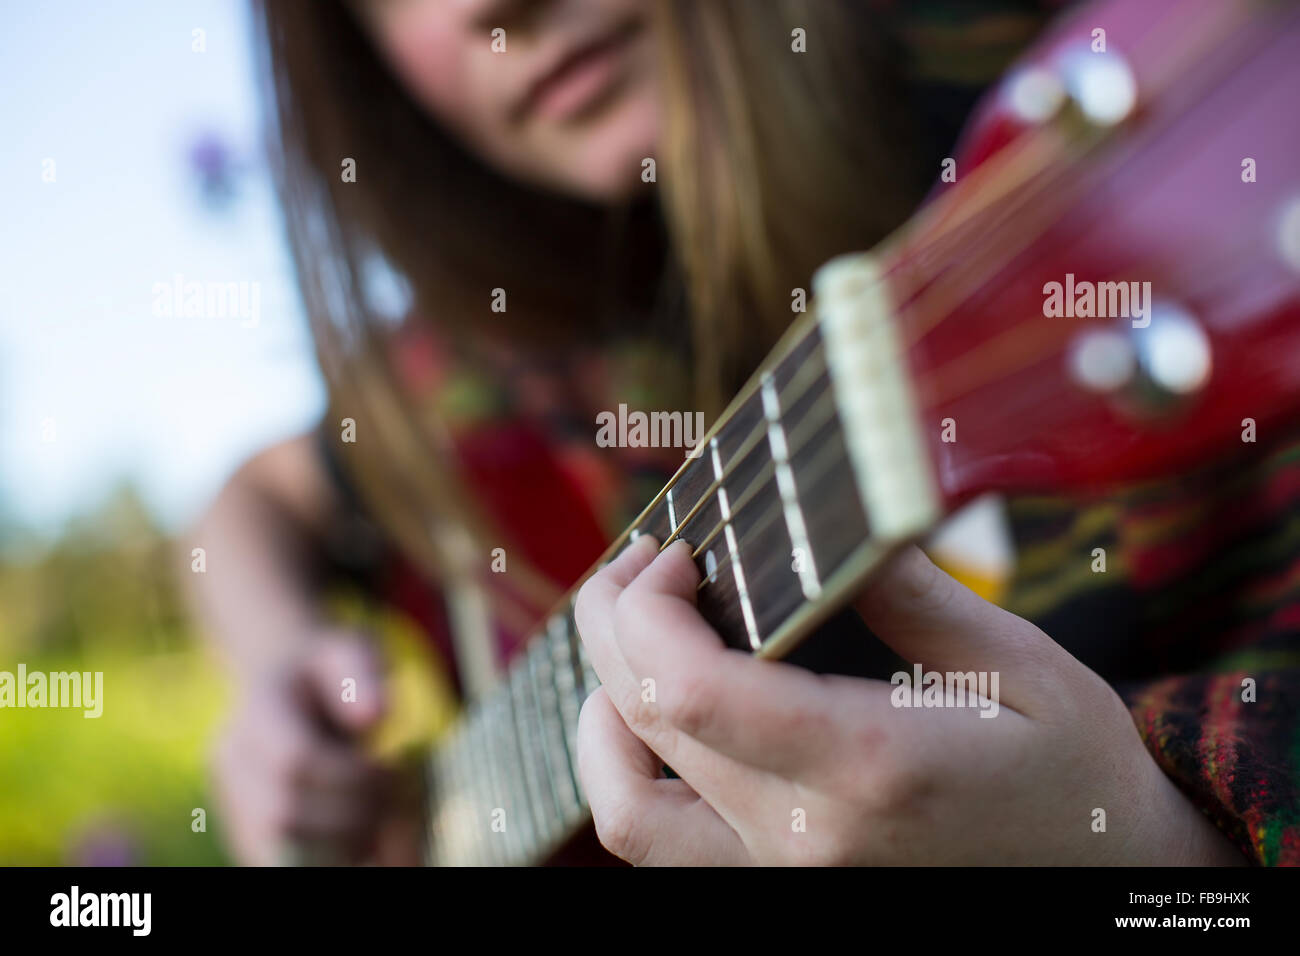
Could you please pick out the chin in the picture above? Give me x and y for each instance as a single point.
(604, 163)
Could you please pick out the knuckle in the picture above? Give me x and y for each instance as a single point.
(642, 716)
(898, 789)
(629, 611)
(690, 704)
(923, 584)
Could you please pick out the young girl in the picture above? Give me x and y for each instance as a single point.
(509, 215)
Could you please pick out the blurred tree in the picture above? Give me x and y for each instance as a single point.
(108, 579)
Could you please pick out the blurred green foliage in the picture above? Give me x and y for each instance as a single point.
(105, 597)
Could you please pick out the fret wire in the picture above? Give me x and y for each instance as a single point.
(501, 797)
(523, 810)
(529, 819)
(483, 799)
(566, 686)
(555, 756)
(467, 801)
(528, 827)
(733, 548)
(473, 791)
(756, 435)
(548, 803)
(787, 488)
(471, 821)
(507, 778)
(470, 780)
(543, 808)
(816, 469)
(756, 483)
(492, 749)
(454, 826)
(451, 838)
(561, 690)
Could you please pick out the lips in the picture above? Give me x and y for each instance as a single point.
(578, 77)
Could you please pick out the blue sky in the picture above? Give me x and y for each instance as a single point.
(115, 95)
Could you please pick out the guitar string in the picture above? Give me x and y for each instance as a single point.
(1025, 402)
(807, 375)
(966, 214)
(810, 374)
(805, 430)
(1025, 196)
(1184, 278)
(1023, 356)
(814, 471)
(1024, 405)
(750, 442)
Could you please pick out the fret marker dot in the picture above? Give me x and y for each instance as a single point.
(711, 566)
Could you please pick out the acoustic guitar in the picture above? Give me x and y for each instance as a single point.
(1108, 291)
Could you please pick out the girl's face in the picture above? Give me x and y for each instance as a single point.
(557, 93)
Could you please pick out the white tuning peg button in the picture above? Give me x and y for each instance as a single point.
(1174, 351)
(1103, 360)
(1102, 84)
(1034, 94)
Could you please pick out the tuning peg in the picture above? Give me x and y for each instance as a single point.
(1101, 86)
(1034, 94)
(1147, 370)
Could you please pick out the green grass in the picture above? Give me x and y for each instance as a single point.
(135, 774)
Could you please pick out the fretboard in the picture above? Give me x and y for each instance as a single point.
(774, 502)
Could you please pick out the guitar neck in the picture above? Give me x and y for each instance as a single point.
(811, 477)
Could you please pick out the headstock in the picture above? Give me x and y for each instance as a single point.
(1125, 166)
